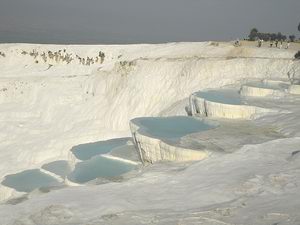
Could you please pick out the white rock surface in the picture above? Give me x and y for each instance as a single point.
(257, 185)
(44, 111)
(294, 89)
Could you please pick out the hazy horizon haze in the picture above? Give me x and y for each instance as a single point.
(142, 21)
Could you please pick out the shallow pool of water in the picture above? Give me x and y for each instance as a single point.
(171, 127)
(225, 96)
(60, 168)
(127, 152)
(29, 180)
(268, 85)
(87, 151)
(98, 166)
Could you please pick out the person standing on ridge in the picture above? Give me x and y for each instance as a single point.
(258, 42)
(287, 44)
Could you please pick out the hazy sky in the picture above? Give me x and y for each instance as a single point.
(140, 21)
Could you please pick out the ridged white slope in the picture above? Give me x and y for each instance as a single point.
(44, 111)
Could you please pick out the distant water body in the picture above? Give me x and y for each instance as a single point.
(48, 37)
(76, 37)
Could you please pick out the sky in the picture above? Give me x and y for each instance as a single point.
(142, 21)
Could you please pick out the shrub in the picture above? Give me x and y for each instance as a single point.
(292, 38)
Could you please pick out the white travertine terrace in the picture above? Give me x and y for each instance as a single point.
(152, 149)
(252, 91)
(265, 88)
(201, 106)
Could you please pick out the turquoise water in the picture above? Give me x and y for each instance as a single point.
(60, 168)
(268, 85)
(171, 127)
(29, 180)
(87, 151)
(225, 96)
(98, 166)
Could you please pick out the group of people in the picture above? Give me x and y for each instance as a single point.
(276, 43)
(61, 56)
(273, 43)
(260, 42)
(237, 43)
(279, 44)
(89, 60)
